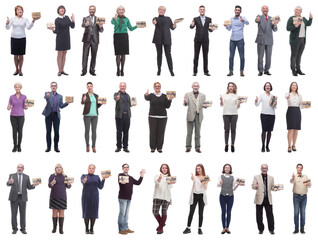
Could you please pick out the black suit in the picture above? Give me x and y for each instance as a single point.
(201, 39)
(91, 41)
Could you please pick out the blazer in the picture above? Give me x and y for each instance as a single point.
(15, 188)
(265, 31)
(163, 26)
(120, 104)
(192, 106)
(201, 32)
(91, 32)
(294, 32)
(87, 103)
(259, 196)
(49, 104)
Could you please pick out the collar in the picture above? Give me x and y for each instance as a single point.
(61, 16)
(161, 15)
(195, 93)
(157, 95)
(55, 94)
(227, 175)
(202, 16)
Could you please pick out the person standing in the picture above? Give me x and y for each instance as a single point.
(19, 183)
(90, 40)
(264, 40)
(54, 102)
(194, 101)
(237, 39)
(124, 198)
(301, 183)
(202, 29)
(297, 39)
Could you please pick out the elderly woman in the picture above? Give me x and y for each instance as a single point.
(17, 106)
(18, 37)
(157, 116)
(90, 197)
(121, 41)
(63, 39)
(58, 201)
(297, 38)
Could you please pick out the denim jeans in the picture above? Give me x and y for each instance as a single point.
(300, 203)
(240, 45)
(124, 205)
(226, 203)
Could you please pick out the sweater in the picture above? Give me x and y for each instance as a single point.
(294, 32)
(158, 105)
(126, 190)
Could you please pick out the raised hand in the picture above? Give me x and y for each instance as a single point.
(185, 101)
(174, 25)
(53, 182)
(310, 15)
(288, 96)
(116, 16)
(47, 94)
(11, 181)
(118, 97)
(8, 21)
(85, 179)
(142, 172)
(84, 97)
(241, 19)
(221, 182)
(147, 93)
(193, 23)
(256, 186)
(256, 99)
(154, 21)
(192, 177)
(171, 97)
(258, 18)
(293, 176)
(73, 18)
(159, 178)
(87, 23)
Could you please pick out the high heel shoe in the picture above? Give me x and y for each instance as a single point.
(294, 149)
(118, 73)
(289, 149)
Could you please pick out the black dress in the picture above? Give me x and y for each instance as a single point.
(62, 31)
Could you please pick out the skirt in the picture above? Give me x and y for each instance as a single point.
(121, 43)
(58, 204)
(293, 118)
(18, 46)
(267, 121)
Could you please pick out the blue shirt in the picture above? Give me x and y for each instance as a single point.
(202, 20)
(54, 109)
(237, 28)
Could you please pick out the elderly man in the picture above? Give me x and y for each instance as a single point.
(264, 40)
(194, 101)
(19, 183)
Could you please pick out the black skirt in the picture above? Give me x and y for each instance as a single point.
(18, 46)
(121, 43)
(293, 118)
(58, 204)
(267, 121)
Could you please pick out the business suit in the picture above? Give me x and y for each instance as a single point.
(90, 42)
(18, 200)
(53, 116)
(264, 40)
(194, 117)
(264, 199)
(201, 39)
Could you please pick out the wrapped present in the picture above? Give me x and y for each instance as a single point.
(123, 179)
(306, 104)
(36, 15)
(141, 24)
(240, 181)
(178, 20)
(29, 103)
(207, 103)
(279, 187)
(243, 99)
(227, 22)
(102, 100)
(214, 25)
(69, 99)
(133, 101)
(50, 25)
(297, 20)
(307, 181)
(106, 173)
(205, 179)
(170, 180)
(100, 20)
(272, 100)
(171, 93)
(36, 180)
(68, 180)
(277, 18)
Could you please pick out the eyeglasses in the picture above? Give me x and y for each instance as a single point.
(53, 85)
(125, 167)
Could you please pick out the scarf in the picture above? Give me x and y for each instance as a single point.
(121, 21)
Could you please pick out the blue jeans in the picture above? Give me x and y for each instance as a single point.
(123, 214)
(300, 203)
(240, 45)
(226, 203)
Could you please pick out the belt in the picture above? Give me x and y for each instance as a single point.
(300, 194)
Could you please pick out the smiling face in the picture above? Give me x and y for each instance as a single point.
(164, 169)
(19, 12)
(120, 11)
(265, 10)
(53, 87)
(237, 12)
(298, 12)
(126, 168)
(299, 169)
(90, 87)
(230, 88)
(202, 11)
(122, 87)
(195, 87)
(17, 88)
(58, 169)
(91, 169)
(264, 169)
(227, 169)
(294, 87)
(157, 87)
(198, 170)
(267, 87)
(92, 11)
(161, 11)
(20, 168)
(61, 11)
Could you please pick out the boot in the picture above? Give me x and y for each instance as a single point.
(61, 222)
(162, 224)
(158, 218)
(54, 224)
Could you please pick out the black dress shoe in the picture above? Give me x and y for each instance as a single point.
(296, 231)
(223, 232)
(300, 72)
(118, 73)
(159, 72)
(92, 73)
(267, 149)
(59, 74)
(91, 232)
(152, 150)
(117, 150)
(200, 231)
(172, 73)
(23, 231)
(64, 73)
(302, 231)
(226, 149)
(260, 74)
(19, 149)
(83, 74)
(272, 232)
(207, 74)
(228, 231)
(21, 74)
(194, 74)
(122, 73)
(56, 149)
(48, 150)
(15, 74)
(295, 73)
(267, 73)
(242, 74)
(14, 231)
(14, 149)
(232, 149)
(260, 232)
(263, 149)
(187, 230)
(126, 150)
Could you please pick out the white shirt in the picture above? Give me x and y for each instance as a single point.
(294, 100)
(227, 176)
(198, 188)
(162, 188)
(302, 30)
(20, 187)
(266, 108)
(18, 26)
(230, 104)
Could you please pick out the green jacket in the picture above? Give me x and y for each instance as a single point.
(294, 32)
(126, 24)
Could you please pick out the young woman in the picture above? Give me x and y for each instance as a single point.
(227, 183)
(267, 114)
(230, 104)
(58, 201)
(161, 197)
(121, 41)
(198, 196)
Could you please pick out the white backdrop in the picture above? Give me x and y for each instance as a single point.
(40, 69)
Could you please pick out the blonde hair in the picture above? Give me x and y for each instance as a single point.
(17, 84)
(92, 165)
(56, 166)
(120, 7)
(156, 83)
(234, 87)
(163, 7)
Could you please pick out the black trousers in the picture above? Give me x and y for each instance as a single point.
(157, 127)
(17, 127)
(15, 205)
(167, 48)
(197, 199)
(296, 52)
(205, 49)
(52, 119)
(269, 215)
(122, 126)
(86, 47)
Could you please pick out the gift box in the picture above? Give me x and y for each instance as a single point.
(170, 180)
(178, 20)
(171, 93)
(36, 180)
(133, 101)
(297, 19)
(214, 25)
(242, 99)
(240, 181)
(36, 15)
(123, 179)
(207, 103)
(227, 22)
(50, 25)
(106, 173)
(279, 187)
(272, 100)
(277, 18)
(29, 103)
(141, 24)
(102, 100)
(205, 179)
(100, 20)
(306, 104)
(68, 180)
(69, 99)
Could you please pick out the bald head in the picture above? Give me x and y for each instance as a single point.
(265, 10)
(20, 168)
(122, 87)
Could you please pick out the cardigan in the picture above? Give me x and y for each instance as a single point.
(87, 104)
(294, 32)
(158, 105)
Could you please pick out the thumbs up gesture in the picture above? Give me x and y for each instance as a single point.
(8, 21)
(147, 93)
(85, 179)
(47, 94)
(84, 97)
(87, 23)
(256, 99)
(293, 176)
(116, 16)
(11, 181)
(310, 15)
(118, 97)
(73, 17)
(221, 183)
(256, 186)
(288, 96)
(53, 182)
(258, 18)
(192, 177)
(241, 19)
(160, 177)
(193, 23)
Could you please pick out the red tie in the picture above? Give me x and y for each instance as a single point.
(266, 18)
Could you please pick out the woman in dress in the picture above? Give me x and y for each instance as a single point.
(198, 196)
(230, 104)
(58, 202)
(90, 197)
(269, 103)
(121, 41)
(63, 40)
(18, 37)
(162, 196)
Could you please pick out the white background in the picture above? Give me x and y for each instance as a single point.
(40, 69)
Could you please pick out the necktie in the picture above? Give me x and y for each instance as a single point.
(265, 187)
(19, 183)
(266, 18)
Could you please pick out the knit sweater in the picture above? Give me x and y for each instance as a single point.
(294, 32)
(126, 190)
(158, 105)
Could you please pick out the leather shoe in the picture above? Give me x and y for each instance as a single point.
(21, 74)
(207, 74)
(232, 148)
(187, 230)
(267, 73)
(226, 149)
(260, 74)
(172, 73)
(230, 74)
(194, 74)
(228, 231)
(83, 74)
(117, 150)
(23, 232)
(64, 73)
(272, 232)
(16, 73)
(260, 232)
(152, 150)
(295, 73)
(59, 74)
(48, 150)
(94, 149)
(188, 150)
(19, 148)
(14, 149)
(198, 150)
(56, 149)
(159, 150)
(302, 231)
(14, 231)
(87, 149)
(300, 72)
(123, 232)
(126, 150)
(159, 72)
(92, 73)
(129, 231)
(296, 231)
(242, 74)
(200, 231)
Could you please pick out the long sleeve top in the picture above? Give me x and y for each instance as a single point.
(17, 105)
(237, 28)
(299, 186)
(162, 189)
(294, 31)
(18, 26)
(265, 100)
(158, 105)
(230, 104)
(126, 24)
(126, 190)
(294, 100)
(58, 191)
(198, 188)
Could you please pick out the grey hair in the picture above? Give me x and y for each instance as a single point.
(195, 83)
(92, 165)
(119, 7)
(123, 83)
(18, 84)
(264, 164)
(162, 7)
(299, 8)
(21, 165)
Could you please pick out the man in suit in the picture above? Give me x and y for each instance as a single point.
(202, 29)
(264, 40)
(264, 184)
(54, 102)
(122, 116)
(19, 183)
(90, 40)
(194, 101)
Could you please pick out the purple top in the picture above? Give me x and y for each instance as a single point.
(54, 109)
(17, 105)
(126, 190)
(58, 191)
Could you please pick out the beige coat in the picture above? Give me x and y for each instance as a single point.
(259, 196)
(191, 103)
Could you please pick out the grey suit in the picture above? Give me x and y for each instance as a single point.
(264, 41)
(18, 201)
(194, 118)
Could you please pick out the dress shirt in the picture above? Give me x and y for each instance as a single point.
(266, 108)
(202, 20)
(21, 180)
(92, 18)
(302, 30)
(294, 100)
(299, 186)
(162, 189)
(54, 109)
(227, 176)
(17, 105)
(237, 28)
(230, 104)
(18, 26)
